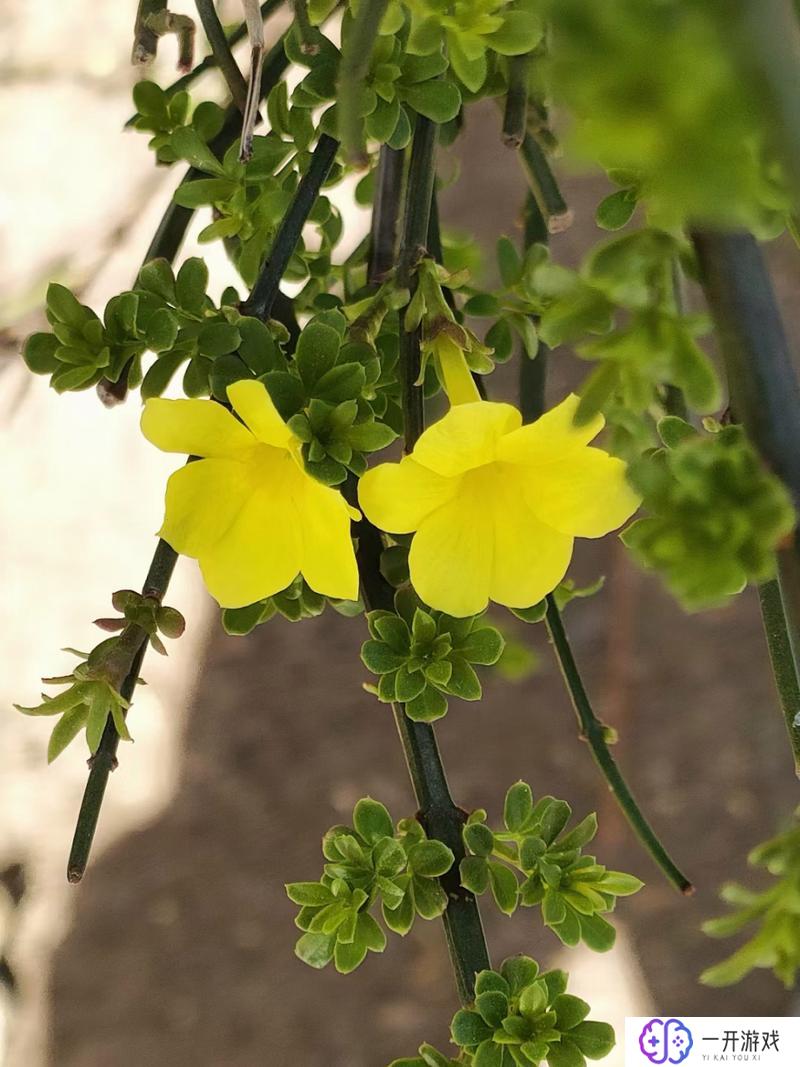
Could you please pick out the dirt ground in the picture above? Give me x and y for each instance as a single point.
(177, 949)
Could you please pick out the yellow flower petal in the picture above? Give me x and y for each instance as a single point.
(466, 437)
(328, 562)
(260, 553)
(530, 558)
(194, 427)
(203, 501)
(451, 557)
(586, 494)
(253, 404)
(550, 436)
(396, 497)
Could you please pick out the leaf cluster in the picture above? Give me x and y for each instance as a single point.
(715, 514)
(424, 656)
(371, 865)
(573, 890)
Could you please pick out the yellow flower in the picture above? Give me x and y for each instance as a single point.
(247, 510)
(495, 505)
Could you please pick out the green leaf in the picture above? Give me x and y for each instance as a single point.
(598, 934)
(317, 349)
(474, 874)
(39, 353)
(400, 919)
(191, 284)
(509, 262)
(66, 378)
(430, 859)
(162, 330)
(568, 931)
(188, 145)
(492, 1006)
(394, 631)
(217, 338)
(285, 391)
(371, 820)
(408, 684)
(157, 277)
(340, 383)
(478, 838)
(469, 1029)
(618, 883)
(519, 972)
(616, 210)
(488, 981)
(565, 1054)
(594, 1039)
(483, 645)
(581, 834)
(150, 99)
(370, 436)
(423, 627)
(66, 729)
(518, 806)
(554, 910)
(429, 706)
(464, 681)
(505, 887)
(64, 307)
(313, 894)
(160, 375)
(379, 658)
(203, 191)
(430, 899)
(569, 1011)
(437, 99)
(521, 32)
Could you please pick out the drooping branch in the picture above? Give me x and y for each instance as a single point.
(221, 49)
(104, 761)
(515, 115)
(533, 375)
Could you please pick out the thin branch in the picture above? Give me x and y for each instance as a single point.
(544, 186)
(221, 49)
(262, 297)
(104, 761)
(386, 208)
(357, 51)
(594, 732)
(515, 116)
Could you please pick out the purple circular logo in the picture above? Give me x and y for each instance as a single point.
(665, 1041)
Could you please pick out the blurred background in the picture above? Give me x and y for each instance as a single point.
(177, 948)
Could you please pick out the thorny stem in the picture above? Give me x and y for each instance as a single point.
(593, 731)
(764, 396)
(104, 760)
(383, 232)
(419, 194)
(262, 297)
(356, 56)
(515, 116)
(221, 49)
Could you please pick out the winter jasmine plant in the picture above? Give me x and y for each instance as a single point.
(297, 376)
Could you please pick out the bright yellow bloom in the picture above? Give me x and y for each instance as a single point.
(495, 505)
(247, 510)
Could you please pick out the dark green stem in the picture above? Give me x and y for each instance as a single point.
(780, 654)
(764, 393)
(385, 212)
(221, 49)
(357, 48)
(416, 220)
(544, 186)
(438, 813)
(104, 761)
(262, 297)
(594, 732)
(515, 116)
